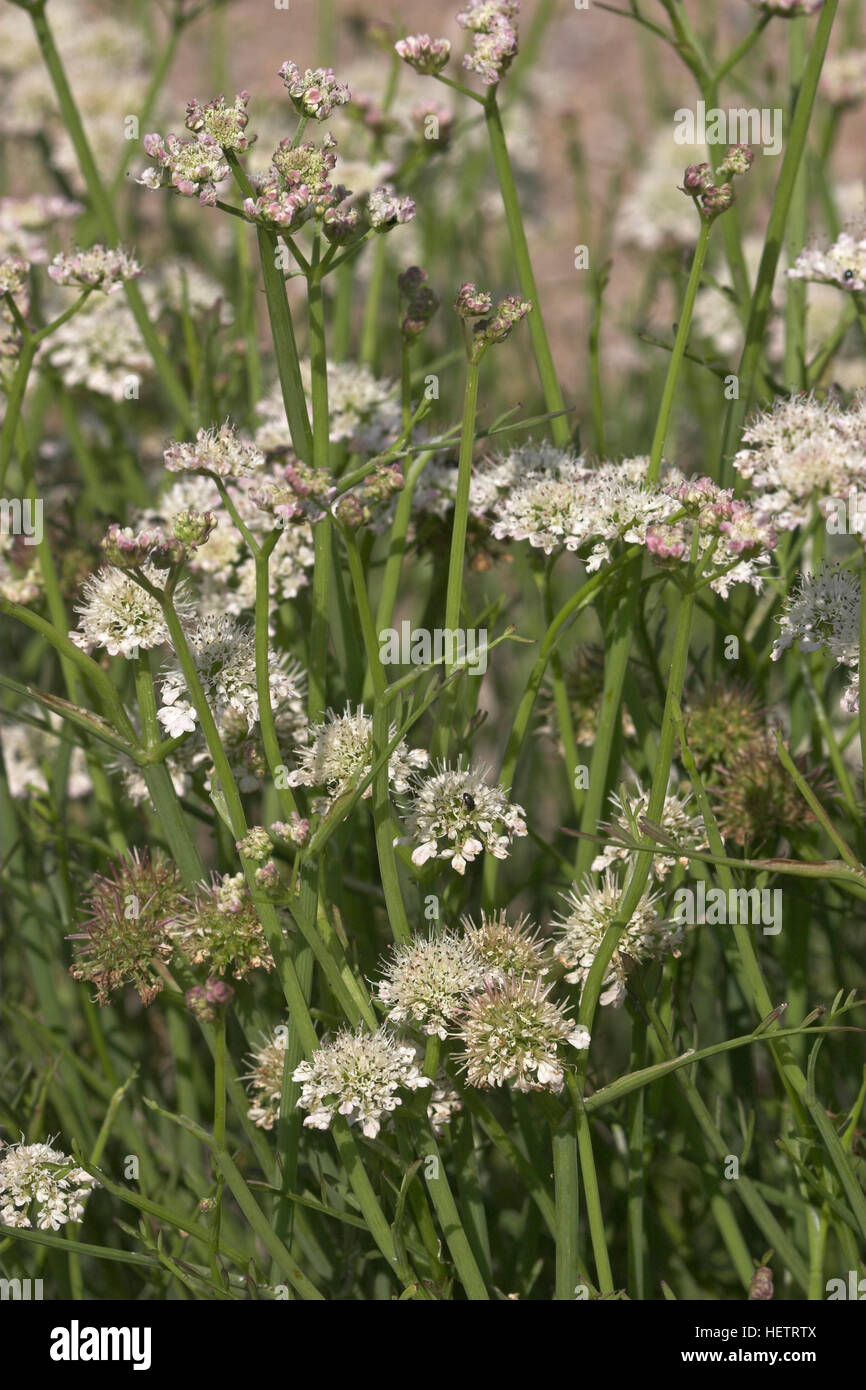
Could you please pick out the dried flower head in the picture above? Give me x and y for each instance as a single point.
(756, 803)
(220, 928)
(128, 925)
(592, 909)
(97, 268)
(427, 979)
(457, 814)
(42, 1175)
(722, 721)
(357, 1075)
(515, 1033)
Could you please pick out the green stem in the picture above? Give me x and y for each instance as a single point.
(520, 250)
(677, 354)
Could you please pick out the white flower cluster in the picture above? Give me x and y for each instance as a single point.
(427, 979)
(339, 754)
(363, 410)
(824, 612)
(514, 1033)
(357, 1075)
(42, 1174)
(592, 909)
(26, 750)
(457, 814)
(842, 264)
(688, 830)
(560, 501)
(96, 267)
(219, 451)
(119, 615)
(803, 450)
(224, 651)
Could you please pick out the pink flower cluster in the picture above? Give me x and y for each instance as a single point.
(495, 43)
(425, 55)
(193, 167)
(730, 528)
(314, 93)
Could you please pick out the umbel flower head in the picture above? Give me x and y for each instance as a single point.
(721, 722)
(128, 926)
(224, 124)
(339, 754)
(192, 167)
(804, 450)
(218, 452)
(592, 909)
(757, 804)
(843, 78)
(457, 815)
(42, 1176)
(843, 264)
(515, 1033)
(265, 1079)
(96, 268)
(506, 948)
(424, 54)
(687, 830)
(357, 1075)
(824, 611)
(224, 652)
(121, 616)
(494, 45)
(427, 979)
(315, 92)
(220, 928)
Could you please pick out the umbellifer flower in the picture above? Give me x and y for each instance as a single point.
(192, 167)
(219, 452)
(266, 1079)
(424, 54)
(457, 814)
(507, 948)
(580, 932)
(515, 1033)
(494, 46)
(339, 753)
(843, 264)
(97, 268)
(385, 208)
(41, 1174)
(130, 913)
(117, 614)
(225, 124)
(315, 92)
(220, 928)
(428, 978)
(824, 611)
(357, 1075)
(688, 830)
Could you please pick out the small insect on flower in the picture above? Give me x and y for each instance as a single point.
(468, 801)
